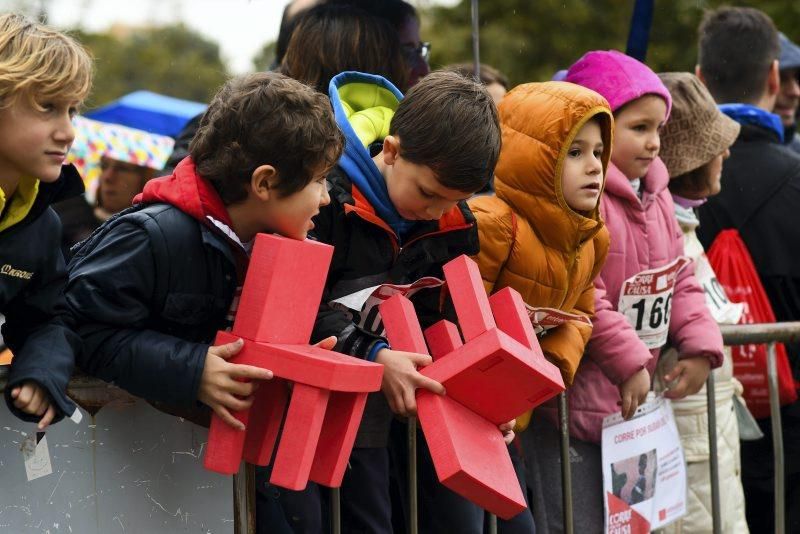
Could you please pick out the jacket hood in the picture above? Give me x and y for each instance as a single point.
(187, 191)
(539, 122)
(618, 77)
(364, 105)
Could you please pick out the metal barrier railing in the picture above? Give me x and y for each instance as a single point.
(98, 393)
(788, 332)
(244, 483)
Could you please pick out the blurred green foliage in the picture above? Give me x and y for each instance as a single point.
(171, 60)
(529, 40)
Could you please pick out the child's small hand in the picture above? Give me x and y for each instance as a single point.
(401, 379)
(327, 344)
(221, 386)
(634, 392)
(691, 373)
(32, 398)
(508, 431)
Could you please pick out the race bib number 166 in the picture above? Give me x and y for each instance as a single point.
(646, 299)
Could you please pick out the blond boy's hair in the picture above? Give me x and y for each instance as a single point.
(40, 64)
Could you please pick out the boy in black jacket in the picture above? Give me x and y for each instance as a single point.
(151, 287)
(397, 214)
(45, 77)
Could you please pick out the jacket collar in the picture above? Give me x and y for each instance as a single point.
(656, 181)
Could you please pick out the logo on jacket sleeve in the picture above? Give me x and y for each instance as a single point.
(8, 270)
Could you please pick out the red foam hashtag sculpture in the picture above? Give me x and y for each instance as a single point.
(276, 314)
(497, 373)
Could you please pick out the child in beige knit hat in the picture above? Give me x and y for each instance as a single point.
(694, 144)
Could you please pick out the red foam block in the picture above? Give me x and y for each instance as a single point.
(282, 289)
(512, 318)
(225, 444)
(337, 437)
(308, 365)
(402, 326)
(299, 438)
(443, 338)
(262, 432)
(496, 377)
(469, 455)
(469, 297)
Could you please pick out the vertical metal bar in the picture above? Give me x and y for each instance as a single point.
(476, 54)
(712, 453)
(777, 439)
(336, 510)
(240, 507)
(413, 513)
(566, 469)
(492, 524)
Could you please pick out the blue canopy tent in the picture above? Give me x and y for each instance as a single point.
(151, 112)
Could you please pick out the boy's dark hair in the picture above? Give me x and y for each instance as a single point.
(488, 74)
(396, 12)
(737, 46)
(265, 119)
(449, 123)
(329, 39)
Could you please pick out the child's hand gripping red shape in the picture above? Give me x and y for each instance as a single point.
(223, 386)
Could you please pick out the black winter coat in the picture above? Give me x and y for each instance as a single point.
(761, 199)
(367, 253)
(149, 290)
(32, 279)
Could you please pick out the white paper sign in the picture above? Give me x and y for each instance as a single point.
(37, 456)
(644, 473)
(363, 304)
(646, 298)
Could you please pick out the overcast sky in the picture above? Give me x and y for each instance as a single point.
(241, 27)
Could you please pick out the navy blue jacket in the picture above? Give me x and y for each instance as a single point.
(150, 288)
(32, 278)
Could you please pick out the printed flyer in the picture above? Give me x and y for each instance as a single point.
(644, 473)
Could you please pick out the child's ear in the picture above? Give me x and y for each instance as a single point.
(391, 149)
(264, 181)
(699, 73)
(774, 79)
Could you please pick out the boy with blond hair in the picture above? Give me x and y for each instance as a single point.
(44, 77)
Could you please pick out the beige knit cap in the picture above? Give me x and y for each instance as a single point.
(697, 131)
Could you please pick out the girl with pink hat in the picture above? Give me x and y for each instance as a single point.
(629, 328)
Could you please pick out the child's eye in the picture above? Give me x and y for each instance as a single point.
(574, 152)
(72, 112)
(639, 128)
(598, 154)
(425, 193)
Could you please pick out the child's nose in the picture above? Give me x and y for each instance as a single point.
(325, 198)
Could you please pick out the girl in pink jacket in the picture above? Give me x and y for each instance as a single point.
(643, 296)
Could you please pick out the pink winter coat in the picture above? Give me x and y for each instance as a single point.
(644, 235)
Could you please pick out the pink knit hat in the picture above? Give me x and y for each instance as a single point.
(619, 78)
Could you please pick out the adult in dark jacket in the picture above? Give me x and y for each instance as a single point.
(738, 61)
(32, 278)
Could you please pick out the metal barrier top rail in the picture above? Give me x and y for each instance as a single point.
(743, 334)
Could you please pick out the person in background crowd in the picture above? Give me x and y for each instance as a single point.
(119, 182)
(494, 80)
(405, 20)
(789, 95)
(329, 39)
(738, 61)
(694, 144)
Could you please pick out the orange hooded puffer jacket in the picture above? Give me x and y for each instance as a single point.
(530, 239)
